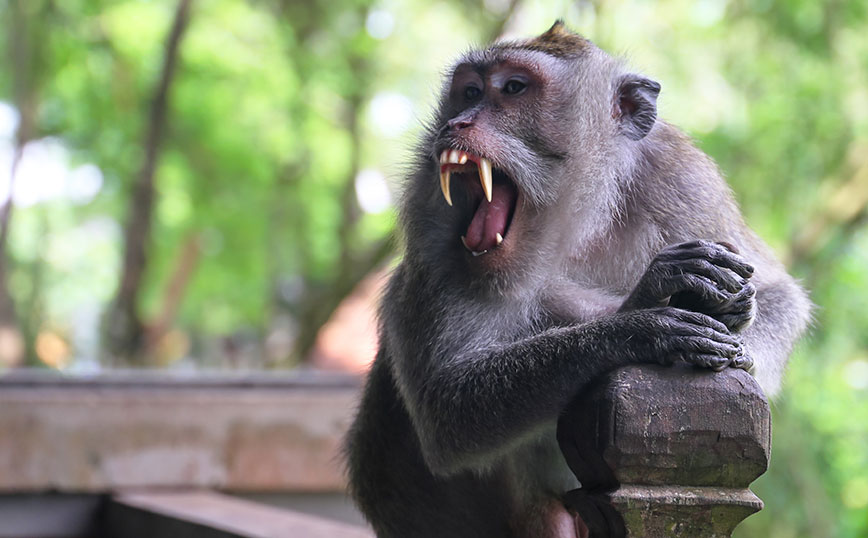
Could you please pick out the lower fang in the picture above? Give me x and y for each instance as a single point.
(499, 239)
(475, 253)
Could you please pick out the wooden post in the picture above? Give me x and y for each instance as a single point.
(671, 449)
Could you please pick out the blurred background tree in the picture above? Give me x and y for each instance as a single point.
(200, 183)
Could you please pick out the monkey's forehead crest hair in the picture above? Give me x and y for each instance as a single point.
(557, 41)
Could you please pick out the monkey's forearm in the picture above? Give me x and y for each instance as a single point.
(468, 409)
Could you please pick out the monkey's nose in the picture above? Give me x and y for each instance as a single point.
(459, 123)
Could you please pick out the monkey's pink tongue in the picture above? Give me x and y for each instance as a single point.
(490, 219)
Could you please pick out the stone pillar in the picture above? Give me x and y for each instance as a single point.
(667, 451)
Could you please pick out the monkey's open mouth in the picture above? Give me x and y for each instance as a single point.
(492, 195)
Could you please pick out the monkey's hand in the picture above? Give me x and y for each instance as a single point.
(664, 335)
(737, 312)
(701, 276)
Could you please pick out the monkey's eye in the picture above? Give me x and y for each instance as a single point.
(514, 86)
(472, 93)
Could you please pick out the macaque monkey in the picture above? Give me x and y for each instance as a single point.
(555, 229)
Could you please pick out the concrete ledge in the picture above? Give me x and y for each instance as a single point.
(155, 379)
(253, 433)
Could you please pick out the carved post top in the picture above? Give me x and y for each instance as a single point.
(672, 425)
(667, 450)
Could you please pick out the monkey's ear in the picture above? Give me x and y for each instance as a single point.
(636, 105)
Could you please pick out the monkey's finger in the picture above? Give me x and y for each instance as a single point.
(723, 277)
(685, 330)
(739, 303)
(695, 318)
(679, 248)
(712, 362)
(684, 251)
(743, 306)
(706, 346)
(715, 253)
(747, 293)
(724, 258)
(689, 248)
(743, 362)
(737, 320)
(726, 338)
(702, 286)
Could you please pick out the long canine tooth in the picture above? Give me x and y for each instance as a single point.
(444, 185)
(498, 238)
(485, 177)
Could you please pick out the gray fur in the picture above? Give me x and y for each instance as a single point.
(455, 433)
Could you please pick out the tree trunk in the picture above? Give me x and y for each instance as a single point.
(124, 332)
(24, 50)
(173, 293)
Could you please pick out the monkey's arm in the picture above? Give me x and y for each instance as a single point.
(468, 409)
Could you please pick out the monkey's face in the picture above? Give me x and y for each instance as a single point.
(530, 143)
(498, 149)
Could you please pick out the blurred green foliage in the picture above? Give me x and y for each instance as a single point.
(277, 107)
